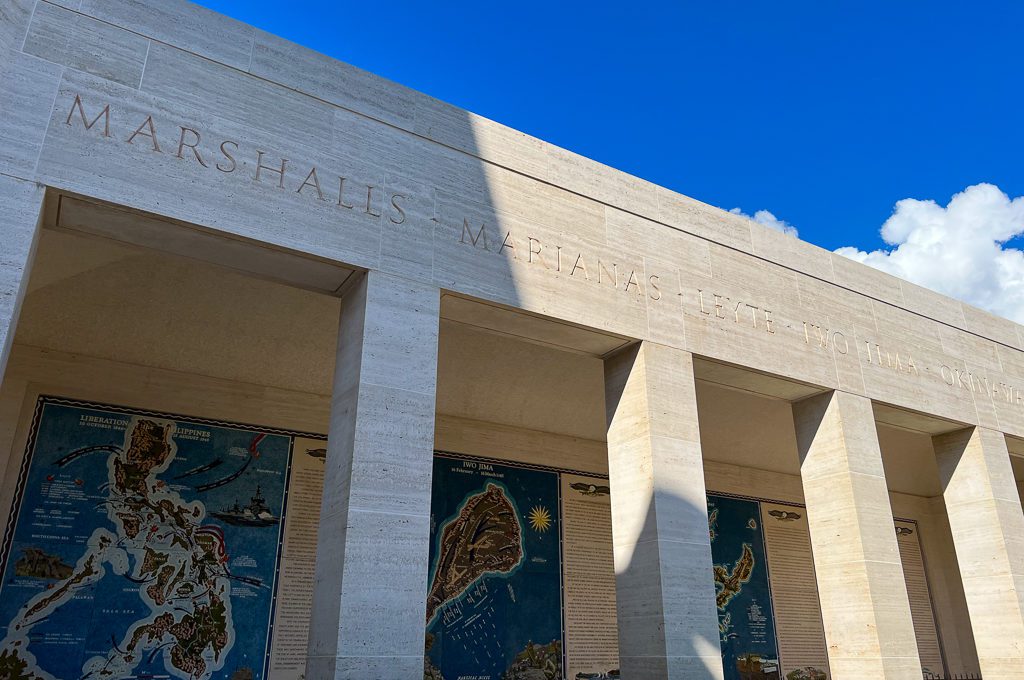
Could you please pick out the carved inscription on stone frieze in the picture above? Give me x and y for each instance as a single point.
(719, 308)
(722, 307)
(186, 143)
(307, 181)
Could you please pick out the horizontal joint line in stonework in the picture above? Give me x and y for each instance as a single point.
(826, 563)
(387, 512)
(844, 473)
(20, 178)
(392, 387)
(670, 656)
(362, 656)
(647, 541)
(982, 501)
(274, 389)
(520, 172)
(881, 656)
(989, 576)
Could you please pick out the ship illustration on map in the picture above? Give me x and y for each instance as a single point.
(485, 537)
(256, 514)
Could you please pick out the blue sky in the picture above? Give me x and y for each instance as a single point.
(824, 113)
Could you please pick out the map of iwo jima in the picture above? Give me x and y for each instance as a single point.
(161, 543)
(485, 537)
(494, 606)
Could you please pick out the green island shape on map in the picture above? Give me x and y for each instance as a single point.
(484, 538)
(728, 582)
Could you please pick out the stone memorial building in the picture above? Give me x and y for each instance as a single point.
(309, 375)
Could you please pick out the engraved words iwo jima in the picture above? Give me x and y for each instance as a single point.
(227, 157)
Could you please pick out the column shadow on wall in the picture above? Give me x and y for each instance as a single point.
(673, 581)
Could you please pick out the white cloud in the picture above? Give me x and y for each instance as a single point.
(959, 250)
(769, 220)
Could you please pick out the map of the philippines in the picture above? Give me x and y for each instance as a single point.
(144, 545)
(746, 621)
(494, 587)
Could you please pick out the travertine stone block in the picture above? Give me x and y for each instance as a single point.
(843, 308)
(301, 68)
(181, 76)
(668, 626)
(14, 19)
(676, 248)
(534, 268)
(914, 330)
(180, 23)
(991, 326)
(789, 251)
(701, 220)
(85, 44)
(27, 88)
(980, 352)
(987, 524)
(864, 603)
(23, 204)
(370, 591)
(932, 305)
(495, 143)
(866, 280)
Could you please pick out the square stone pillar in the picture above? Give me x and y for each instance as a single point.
(22, 203)
(987, 524)
(665, 593)
(864, 605)
(369, 600)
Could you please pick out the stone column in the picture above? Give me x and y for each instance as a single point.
(667, 617)
(864, 603)
(369, 600)
(987, 524)
(19, 223)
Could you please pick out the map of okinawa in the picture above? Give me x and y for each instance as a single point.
(746, 622)
(485, 537)
(128, 558)
(728, 582)
(494, 607)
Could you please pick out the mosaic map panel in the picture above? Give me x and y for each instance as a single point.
(143, 545)
(494, 609)
(746, 621)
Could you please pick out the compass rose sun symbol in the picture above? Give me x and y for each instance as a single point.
(540, 518)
